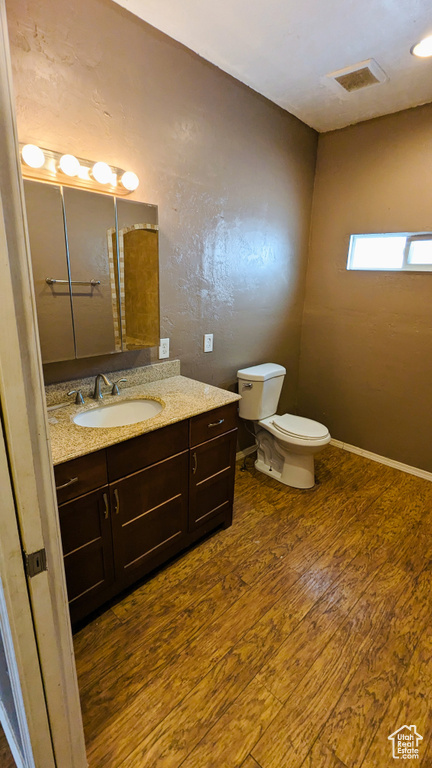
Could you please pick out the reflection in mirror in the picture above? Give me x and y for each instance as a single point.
(89, 217)
(44, 207)
(138, 268)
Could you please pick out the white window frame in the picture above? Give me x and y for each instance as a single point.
(412, 238)
(406, 266)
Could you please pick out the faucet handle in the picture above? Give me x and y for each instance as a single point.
(79, 400)
(115, 389)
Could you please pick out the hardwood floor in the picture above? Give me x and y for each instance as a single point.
(298, 638)
(6, 759)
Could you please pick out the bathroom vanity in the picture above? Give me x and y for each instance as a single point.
(130, 497)
(136, 501)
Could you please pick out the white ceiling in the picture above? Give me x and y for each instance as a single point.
(285, 48)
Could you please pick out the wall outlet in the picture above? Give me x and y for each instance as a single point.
(163, 348)
(208, 342)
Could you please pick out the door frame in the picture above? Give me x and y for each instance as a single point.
(17, 635)
(25, 426)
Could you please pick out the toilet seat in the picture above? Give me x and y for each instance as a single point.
(296, 427)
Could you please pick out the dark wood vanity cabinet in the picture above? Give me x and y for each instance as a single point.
(127, 509)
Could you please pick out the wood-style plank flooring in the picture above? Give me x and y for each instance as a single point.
(301, 637)
(6, 759)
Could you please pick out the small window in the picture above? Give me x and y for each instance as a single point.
(393, 251)
(420, 250)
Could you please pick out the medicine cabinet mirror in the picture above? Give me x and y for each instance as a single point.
(96, 271)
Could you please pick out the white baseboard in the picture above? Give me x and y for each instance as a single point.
(245, 452)
(383, 460)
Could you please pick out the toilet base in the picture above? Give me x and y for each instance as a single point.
(297, 471)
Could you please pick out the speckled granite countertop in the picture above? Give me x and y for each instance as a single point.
(180, 396)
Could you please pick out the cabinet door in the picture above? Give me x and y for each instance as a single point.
(87, 549)
(212, 470)
(44, 206)
(149, 518)
(138, 246)
(90, 224)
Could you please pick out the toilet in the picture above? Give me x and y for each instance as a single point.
(286, 444)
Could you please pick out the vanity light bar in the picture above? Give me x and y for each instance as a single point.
(48, 165)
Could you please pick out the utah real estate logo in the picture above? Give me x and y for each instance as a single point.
(405, 743)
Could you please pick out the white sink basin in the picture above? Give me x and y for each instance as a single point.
(119, 414)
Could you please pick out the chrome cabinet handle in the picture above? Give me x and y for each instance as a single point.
(106, 509)
(53, 281)
(194, 468)
(216, 423)
(65, 485)
(117, 501)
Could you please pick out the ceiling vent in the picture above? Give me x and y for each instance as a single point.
(358, 76)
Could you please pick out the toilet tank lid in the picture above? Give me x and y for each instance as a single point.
(261, 372)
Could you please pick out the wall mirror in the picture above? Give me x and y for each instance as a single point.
(96, 271)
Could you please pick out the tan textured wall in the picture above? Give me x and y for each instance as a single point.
(232, 175)
(366, 360)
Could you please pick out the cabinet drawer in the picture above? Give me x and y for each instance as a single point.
(73, 478)
(213, 423)
(139, 452)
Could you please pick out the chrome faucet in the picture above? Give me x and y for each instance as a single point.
(97, 394)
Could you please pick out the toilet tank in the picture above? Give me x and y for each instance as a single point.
(260, 387)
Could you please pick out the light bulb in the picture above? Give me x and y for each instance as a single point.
(69, 165)
(102, 173)
(423, 49)
(130, 180)
(84, 173)
(33, 156)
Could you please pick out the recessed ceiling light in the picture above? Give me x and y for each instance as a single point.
(423, 49)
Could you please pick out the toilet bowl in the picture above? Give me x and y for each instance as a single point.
(287, 444)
